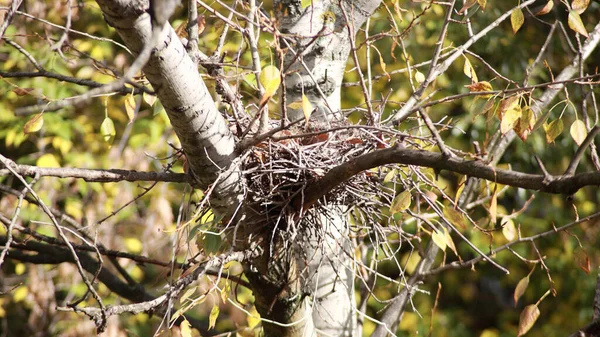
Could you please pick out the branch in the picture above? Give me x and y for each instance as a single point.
(92, 175)
(473, 168)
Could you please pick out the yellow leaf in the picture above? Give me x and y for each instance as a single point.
(212, 318)
(580, 6)
(449, 241)
(270, 79)
(133, 245)
(455, 217)
(20, 268)
(520, 289)
(576, 24)
(461, 186)
(439, 238)
(107, 129)
(553, 130)
(34, 124)
(186, 329)
(529, 315)
(578, 131)
(187, 294)
(419, 77)
(480, 87)
(469, 71)
(482, 3)
(401, 202)
(47, 160)
(307, 107)
(20, 294)
(493, 208)
(508, 229)
(306, 3)
(225, 292)
(253, 319)
(295, 105)
(511, 116)
(525, 124)
(547, 8)
(516, 19)
(130, 107)
(149, 99)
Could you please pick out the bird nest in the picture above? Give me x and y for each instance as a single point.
(279, 169)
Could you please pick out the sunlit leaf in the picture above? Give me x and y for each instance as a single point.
(149, 99)
(509, 229)
(510, 118)
(455, 217)
(439, 238)
(270, 79)
(34, 124)
(449, 241)
(307, 107)
(493, 208)
(47, 160)
(401, 202)
(130, 107)
(578, 131)
(482, 4)
(553, 130)
(469, 71)
(547, 8)
(480, 87)
(529, 315)
(306, 3)
(225, 292)
(516, 19)
(20, 294)
(525, 124)
(212, 318)
(133, 245)
(186, 328)
(22, 91)
(580, 6)
(576, 24)
(520, 289)
(107, 130)
(419, 77)
(187, 294)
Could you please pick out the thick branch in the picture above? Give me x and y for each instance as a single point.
(473, 168)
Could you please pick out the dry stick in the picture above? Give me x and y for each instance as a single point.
(8, 164)
(350, 27)
(93, 175)
(9, 15)
(580, 151)
(435, 133)
(58, 45)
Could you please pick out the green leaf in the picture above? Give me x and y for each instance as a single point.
(516, 19)
(107, 129)
(34, 124)
(270, 79)
(401, 202)
(439, 238)
(212, 318)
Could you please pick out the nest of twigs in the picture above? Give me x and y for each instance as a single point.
(279, 169)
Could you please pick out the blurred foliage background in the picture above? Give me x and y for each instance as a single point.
(475, 302)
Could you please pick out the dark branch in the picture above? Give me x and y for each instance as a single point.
(473, 168)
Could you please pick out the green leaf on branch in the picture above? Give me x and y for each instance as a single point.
(107, 129)
(401, 202)
(34, 124)
(576, 24)
(516, 19)
(553, 130)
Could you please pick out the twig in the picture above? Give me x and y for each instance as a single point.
(14, 5)
(581, 150)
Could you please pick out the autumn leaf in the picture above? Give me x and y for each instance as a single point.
(468, 4)
(508, 229)
(520, 289)
(547, 8)
(130, 106)
(493, 208)
(553, 130)
(455, 217)
(516, 19)
(212, 318)
(510, 118)
(439, 238)
(525, 124)
(482, 4)
(469, 71)
(107, 130)
(576, 24)
(481, 86)
(578, 131)
(34, 124)
(270, 78)
(307, 107)
(580, 6)
(149, 98)
(401, 202)
(419, 77)
(529, 315)
(22, 91)
(186, 329)
(582, 259)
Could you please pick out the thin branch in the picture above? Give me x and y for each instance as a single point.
(581, 150)
(90, 175)
(9, 15)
